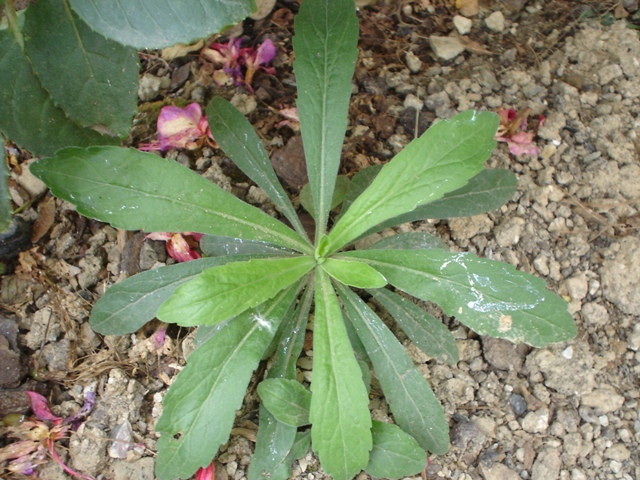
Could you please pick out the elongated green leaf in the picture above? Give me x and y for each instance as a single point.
(429, 334)
(356, 274)
(395, 454)
(277, 444)
(222, 292)
(491, 298)
(306, 200)
(216, 246)
(415, 408)
(5, 199)
(408, 241)
(443, 159)
(239, 140)
(200, 406)
(137, 190)
(128, 305)
(287, 400)
(358, 184)
(161, 23)
(103, 89)
(29, 116)
(341, 423)
(325, 45)
(274, 443)
(487, 191)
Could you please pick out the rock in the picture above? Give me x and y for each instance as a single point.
(121, 436)
(503, 354)
(446, 48)
(547, 465)
(440, 103)
(87, 450)
(536, 422)
(244, 103)
(552, 127)
(518, 404)
(595, 314)
(142, 469)
(414, 64)
(90, 269)
(495, 22)
(149, 87)
(617, 452)
(464, 432)
(462, 24)
(620, 277)
(573, 376)
(508, 233)
(608, 73)
(498, 471)
(465, 228)
(577, 286)
(604, 400)
(633, 340)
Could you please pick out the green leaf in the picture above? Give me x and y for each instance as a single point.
(276, 445)
(325, 46)
(216, 246)
(342, 184)
(6, 213)
(239, 140)
(356, 274)
(427, 332)
(222, 292)
(443, 159)
(409, 241)
(341, 423)
(135, 190)
(160, 23)
(128, 305)
(358, 184)
(200, 406)
(491, 298)
(395, 454)
(102, 90)
(29, 116)
(287, 400)
(412, 402)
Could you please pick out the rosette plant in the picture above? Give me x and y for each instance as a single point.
(261, 280)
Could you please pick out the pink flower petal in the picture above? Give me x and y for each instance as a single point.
(40, 407)
(206, 473)
(265, 53)
(175, 120)
(179, 249)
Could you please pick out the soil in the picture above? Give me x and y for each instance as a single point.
(569, 411)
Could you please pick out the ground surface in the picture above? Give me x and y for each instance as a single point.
(569, 411)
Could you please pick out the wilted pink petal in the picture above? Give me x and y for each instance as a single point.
(265, 53)
(179, 249)
(76, 418)
(206, 473)
(159, 336)
(40, 407)
(522, 144)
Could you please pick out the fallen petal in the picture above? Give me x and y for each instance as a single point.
(40, 407)
(265, 53)
(206, 473)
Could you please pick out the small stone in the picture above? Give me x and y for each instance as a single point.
(605, 400)
(617, 452)
(518, 404)
(536, 422)
(620, 277)
(502, 354)
(411, 101)
(414, 64)
(553, 125)
(141, 469)
(596, 314)
(508, 233)
(87, 450)
(446, 48)
(245, 103)
(121, 436)
(547, 465)
(465, 228)
(149, 87)
(577, 286)
(497, 471)
(495, 22)
(609, 73)
(462, 24)
(440, 103)
(573, 376)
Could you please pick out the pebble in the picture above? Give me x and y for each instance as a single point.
(121, 436)
(141, 469)
(617, 452)
(446, 48)
(498, 471)
(547, 465)
(573, 376)
(244, 102)
(536, 422)
(495, 22)
(605, 400)
(518, 404)
(620, 276)
(414, 64)
(502, 354)
(149, 87)
(508, 233)
(462, 24)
